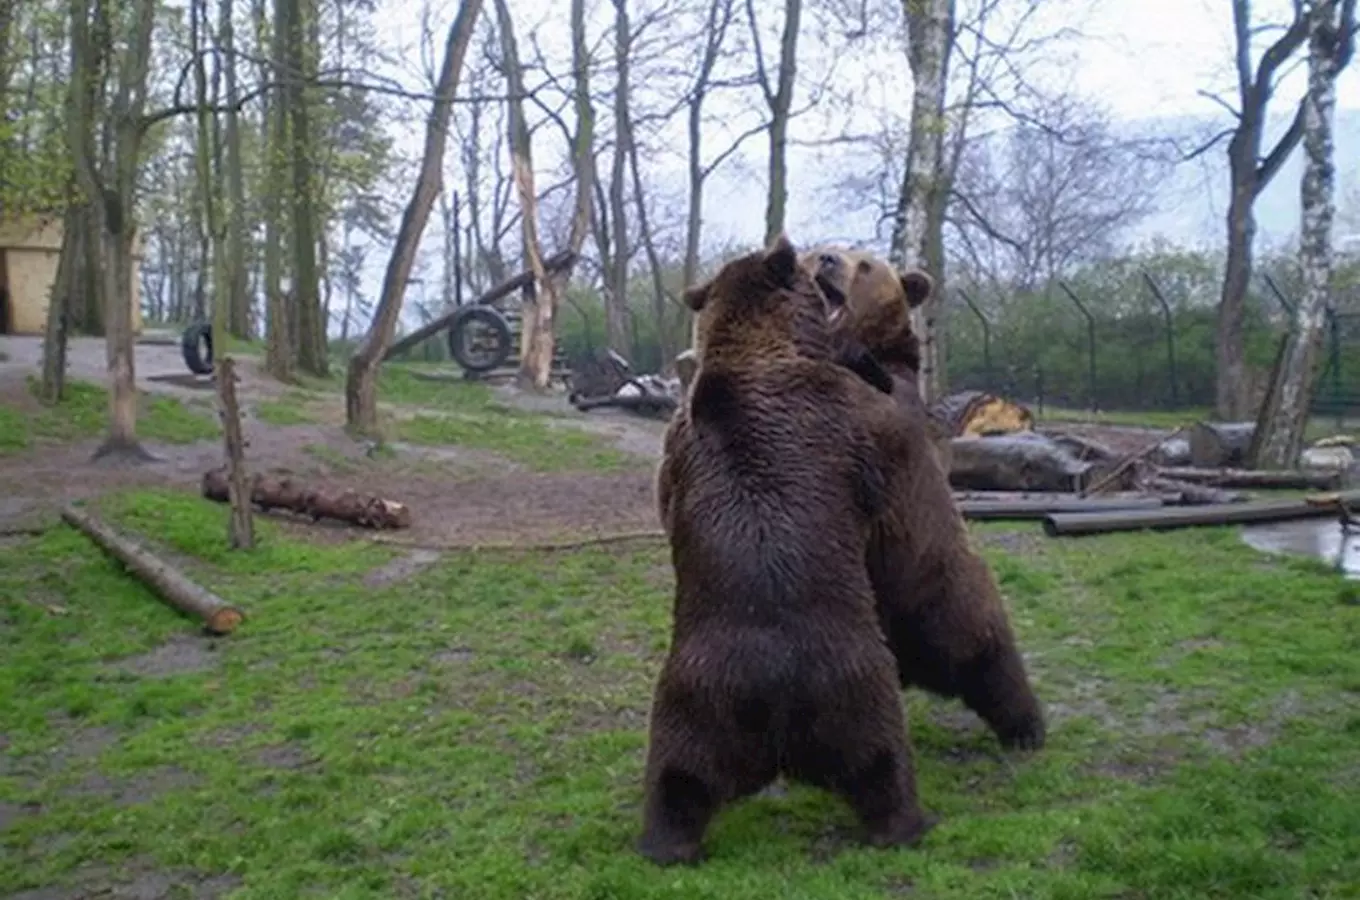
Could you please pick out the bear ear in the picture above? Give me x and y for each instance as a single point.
(695, 297)
(917, 285)
(781, 261)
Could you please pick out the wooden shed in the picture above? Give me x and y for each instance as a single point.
(29, 248)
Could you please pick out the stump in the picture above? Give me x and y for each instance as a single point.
(240, 528)
(978, 413)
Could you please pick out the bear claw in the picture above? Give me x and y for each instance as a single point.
(1026, 736)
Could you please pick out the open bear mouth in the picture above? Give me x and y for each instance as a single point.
(835, 297)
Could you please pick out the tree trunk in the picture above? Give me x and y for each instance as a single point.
(237, 300)
(1282, 439)
(209, 260)
(115, 215)
(309, 336)
(70, 267)
(361, 401)
(616, 310)
(781, 103)
(918, 226)
(279, 355)
(1249, 172)
(537, 339)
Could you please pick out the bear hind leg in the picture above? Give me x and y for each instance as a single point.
(679, 806)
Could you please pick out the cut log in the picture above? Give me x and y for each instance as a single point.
(1082, 448)
(1023, 461)
(172, 586)
(240, 527)
(1022, 510)
(1071, 524)
(270, 492)
(1220, 445)
(1174, 451)
(1280, 479)
(978, 413)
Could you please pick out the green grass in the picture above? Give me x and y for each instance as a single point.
(84, 412)
(467, 414)
(478, 730)
(291, 409)
(1168, 420)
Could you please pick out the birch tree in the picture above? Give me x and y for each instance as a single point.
(918, 225)
(1330, 35)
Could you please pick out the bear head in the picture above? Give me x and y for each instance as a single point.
(762, 305)
(871, 301)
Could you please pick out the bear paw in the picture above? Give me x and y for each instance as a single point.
(665, 852)
(1027, 735)
(904, 833)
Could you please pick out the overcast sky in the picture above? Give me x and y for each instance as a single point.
(1140, 58)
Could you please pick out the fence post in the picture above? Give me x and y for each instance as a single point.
(1170, 338)
(1090, 340)
(457, 252)
(986, 334)
(1334, 351)
(1279, 295)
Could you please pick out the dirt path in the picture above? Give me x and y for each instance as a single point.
(457, 495)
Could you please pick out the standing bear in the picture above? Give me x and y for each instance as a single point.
(939, 605)
(772, 475)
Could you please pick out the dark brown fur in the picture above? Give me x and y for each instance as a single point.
(772, 475)
(938, 602)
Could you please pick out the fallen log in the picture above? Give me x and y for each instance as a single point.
(1024, 510)
(1067, 524)
(1080, 447)
(1218, 445)
(1189, 494)
(1006, 496)
(1022, 461)
(1280, 479)
(269, 492)
(1127, 463)
(218, 616)
(978, 414)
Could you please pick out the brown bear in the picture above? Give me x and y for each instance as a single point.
(937, 599)
(772, 474)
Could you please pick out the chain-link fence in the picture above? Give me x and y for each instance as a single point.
(1139, 342)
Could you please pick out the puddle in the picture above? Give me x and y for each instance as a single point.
(1320, 538)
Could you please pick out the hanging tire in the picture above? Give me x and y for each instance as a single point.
(197, 344)
(480, 339)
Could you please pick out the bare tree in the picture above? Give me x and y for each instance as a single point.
(616, 318)
(109, 180)
(361, 401)
(1331, 37)
(236, 300)
(1054, 190)
(779, 97)
(1250, 172)
(537, 334)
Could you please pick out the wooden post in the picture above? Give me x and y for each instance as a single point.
(241, 527)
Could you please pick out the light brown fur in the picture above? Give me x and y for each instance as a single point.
(937, 600)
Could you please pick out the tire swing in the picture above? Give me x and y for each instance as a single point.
(480, 339)
(197, 344)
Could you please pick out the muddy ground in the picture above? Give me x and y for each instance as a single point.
(457, 496)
